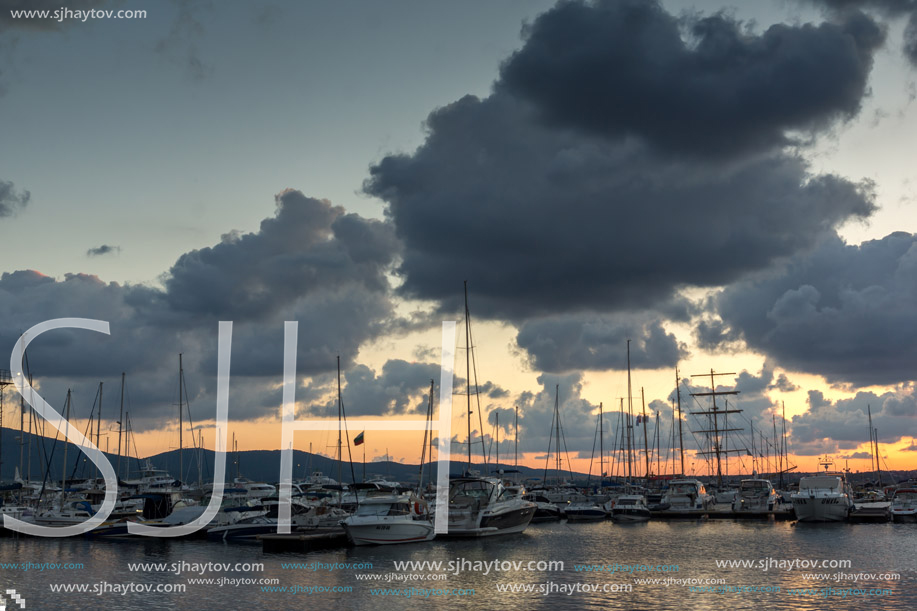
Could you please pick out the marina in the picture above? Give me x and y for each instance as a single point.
(694, 546)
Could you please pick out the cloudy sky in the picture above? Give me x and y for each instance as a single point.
(729, 186)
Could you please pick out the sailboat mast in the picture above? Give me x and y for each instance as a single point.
(63, 481)
(630, 415)
(99, 423)
(681, 438)
(120, 423)
(786, 458)
(497, 424)
(601, 447)
(658, 448)
(557, 459)
(21, 427)
(340, 423)
(468, 370)
(754, 455)
(646, 445)
(181, 455)
(427, 432)
(625, 449)
(872, 456)
(516, 440)
(716, 434)
(777, 458)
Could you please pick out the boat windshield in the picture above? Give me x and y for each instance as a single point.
(755, 485)
(683, 489)
(822, 481)
(479, 489)
(379, 509)
(627, 501)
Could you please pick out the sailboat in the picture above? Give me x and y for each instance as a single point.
(482, 506)
(388, 517)
(629, 507)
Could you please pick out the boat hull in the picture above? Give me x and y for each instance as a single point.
(630, 514)
(821, 509)
(511, 521)
(238, 532)
(389, 533)
(584, 515)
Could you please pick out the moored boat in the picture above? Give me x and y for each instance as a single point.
(481, 507)
(755, 497)
(390, 519)
(904, 505)
(822, 498)
(630, 508)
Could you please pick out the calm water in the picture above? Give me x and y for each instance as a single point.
(693, 546)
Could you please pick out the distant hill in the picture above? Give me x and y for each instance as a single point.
(258, 465)
(43, 452)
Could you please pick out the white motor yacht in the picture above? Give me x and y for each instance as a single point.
(630, 508)
(389, 519)
(822, 498)
(904, 505)
(686, 497)
(756, 496)
(481, 506)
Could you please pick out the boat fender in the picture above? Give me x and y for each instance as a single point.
(417, 508)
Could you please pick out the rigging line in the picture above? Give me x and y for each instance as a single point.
(564, 440)
(613, 469)
(477, 390)
(88, 436)
(353, 476)
(592, 456)
(547, 457)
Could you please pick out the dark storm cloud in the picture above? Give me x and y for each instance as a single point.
(544, 218)
(308, 246)
(888, 8)
(104, 249)
(311, 263)
(623, 68)
(493, 391)
(12, 201)
(581, 342)
(844, 424)
(847, 312)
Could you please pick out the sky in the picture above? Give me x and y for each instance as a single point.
(729, 186)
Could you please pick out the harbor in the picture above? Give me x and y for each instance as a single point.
(586, 305)
(694, 547)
